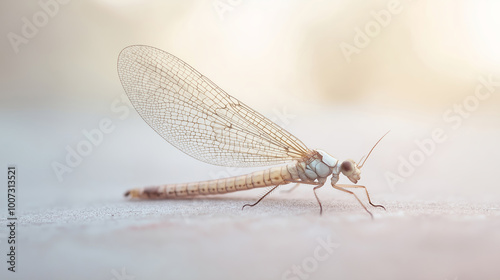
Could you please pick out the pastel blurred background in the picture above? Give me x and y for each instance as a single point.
(337, 74)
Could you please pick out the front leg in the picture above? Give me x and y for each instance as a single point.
(367, 195)
(344, 190)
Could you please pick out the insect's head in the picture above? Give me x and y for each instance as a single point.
(351, 170)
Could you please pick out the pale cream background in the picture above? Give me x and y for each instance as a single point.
(282, 58)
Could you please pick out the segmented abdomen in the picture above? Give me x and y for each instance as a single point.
(273, 176)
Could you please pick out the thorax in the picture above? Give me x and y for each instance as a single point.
(318, 165)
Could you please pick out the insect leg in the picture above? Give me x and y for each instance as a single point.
(341, 189)
(317, 199)
(291, 189)
(367, 195)
(252, 205)
(318, 185)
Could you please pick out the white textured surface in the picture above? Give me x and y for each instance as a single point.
(441, 223)
(213, 239)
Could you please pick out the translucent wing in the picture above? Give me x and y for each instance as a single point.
(199, 118)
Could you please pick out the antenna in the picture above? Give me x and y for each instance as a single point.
(372, 149)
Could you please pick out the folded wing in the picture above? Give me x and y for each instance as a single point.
(199, 118)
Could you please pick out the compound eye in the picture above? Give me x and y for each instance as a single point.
(346, 166)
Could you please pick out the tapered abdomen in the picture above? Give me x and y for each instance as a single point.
(273, 176)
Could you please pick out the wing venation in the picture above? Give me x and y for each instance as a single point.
(199, 118)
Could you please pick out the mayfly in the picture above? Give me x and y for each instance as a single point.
(200, 119)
